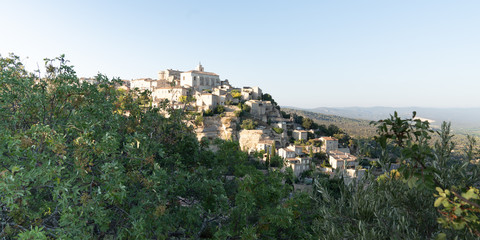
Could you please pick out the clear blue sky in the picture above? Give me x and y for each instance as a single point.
(305, 53)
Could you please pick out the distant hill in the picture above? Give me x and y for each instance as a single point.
(354, 127)
(464, 120)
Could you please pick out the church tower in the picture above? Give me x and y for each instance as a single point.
(199, 67)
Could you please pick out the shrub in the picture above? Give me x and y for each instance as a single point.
(238, 113)
(236, 94)
(276, 161)
(246, 108)
(219, 109)
(199, 120)
(207, 113)
(277, 130)
(248, 124)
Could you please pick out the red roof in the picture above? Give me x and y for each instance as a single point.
(329, 139)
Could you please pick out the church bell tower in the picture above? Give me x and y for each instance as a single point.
(200, 67)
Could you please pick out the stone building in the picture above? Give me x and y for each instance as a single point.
(172, 94)
(329, 144)
(169, 75)
(286, 153)
(342, 160)
(199, 80)
(143, 84)
(257, 109)
(206, 101)
(298, 164)
(300, 135)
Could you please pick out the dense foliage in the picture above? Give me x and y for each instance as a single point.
(83, 161)
(92, 161)
(248, 124)
(433, 168)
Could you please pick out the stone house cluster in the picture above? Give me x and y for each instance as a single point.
(295, 158)
(340, 158)
(202, 90)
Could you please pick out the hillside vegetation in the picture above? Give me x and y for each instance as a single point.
(92, 161)
(354, 127)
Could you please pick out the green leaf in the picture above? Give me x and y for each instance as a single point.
(470, 194)
(438, 202)
(441, 236)
(458, 211)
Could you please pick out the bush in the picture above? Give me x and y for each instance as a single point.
(284, 114)
(277, 130)
(219, 109)
(276, 161)
(208, 113)
(199, 120)
(236, 94)
(248, 124)
(246, 108)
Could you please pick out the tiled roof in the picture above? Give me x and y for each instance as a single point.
(329, 139)
(204, 73)
(342, 156)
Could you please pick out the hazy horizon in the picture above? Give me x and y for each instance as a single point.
(309, 53)
(379, 106)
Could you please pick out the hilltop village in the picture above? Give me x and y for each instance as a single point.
(218, 109)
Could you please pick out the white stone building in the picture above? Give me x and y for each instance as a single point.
(251, 93)
(298, 164)
(172, 94)
(300, 135)
(266, 146)
(286, 153)
(199, 79)
(143, 84)
(206, 101)
(342, 160)
(329, 144)
(293, 156)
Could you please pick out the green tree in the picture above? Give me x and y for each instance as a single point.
(307, 123)
(274, 149)
(433, 169)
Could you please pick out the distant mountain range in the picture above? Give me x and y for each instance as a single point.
(465, 120)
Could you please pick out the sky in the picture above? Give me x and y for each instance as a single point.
(306, 54)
